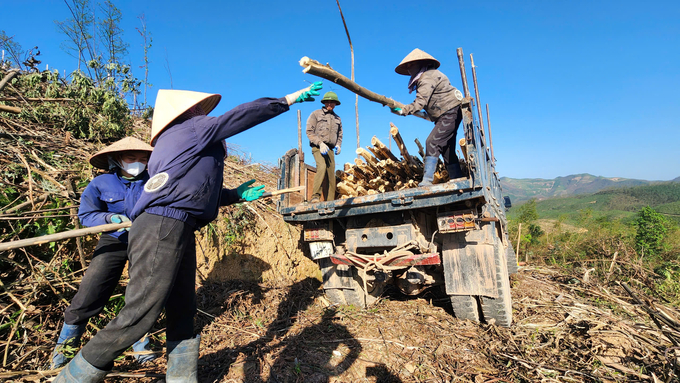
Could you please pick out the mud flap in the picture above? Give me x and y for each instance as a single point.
(469, 267)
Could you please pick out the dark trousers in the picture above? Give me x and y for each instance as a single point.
(162, 270)
(325, 167)
(101, 277)
(442, 139)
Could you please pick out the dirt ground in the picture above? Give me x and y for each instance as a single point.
(265, 333)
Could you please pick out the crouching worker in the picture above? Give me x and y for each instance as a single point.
(183, 194)
(442, 102)
(109, 198)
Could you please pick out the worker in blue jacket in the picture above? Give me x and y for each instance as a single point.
(109, 198)
(183, 194)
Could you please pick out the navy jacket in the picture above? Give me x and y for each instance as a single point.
(110, 194)
(187, 163)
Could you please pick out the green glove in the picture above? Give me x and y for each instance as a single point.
(398, 111)
(249, 193)
(119, 218)
(305, 94)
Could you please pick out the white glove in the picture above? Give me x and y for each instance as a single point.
(323, 148)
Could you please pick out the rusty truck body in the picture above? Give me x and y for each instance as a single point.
(452, 235)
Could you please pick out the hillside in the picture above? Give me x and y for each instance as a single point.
(527, 188)
(621, 203)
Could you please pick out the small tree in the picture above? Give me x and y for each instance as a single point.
(651, 231)
(527, 212)
(13, 49)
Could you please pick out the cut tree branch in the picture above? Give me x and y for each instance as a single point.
(315, 68)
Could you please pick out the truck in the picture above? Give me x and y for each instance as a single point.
(452, 235)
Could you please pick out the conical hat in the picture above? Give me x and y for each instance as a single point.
(415, 55)
(100, 159)
(170, 104)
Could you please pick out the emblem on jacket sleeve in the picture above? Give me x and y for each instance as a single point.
(156, 182)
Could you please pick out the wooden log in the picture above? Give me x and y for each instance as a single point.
(361, 191)
(421, 150)
(33, 99)
(372, 161)
(9, 109)
(8, 77)
(315, 68)
(394, 131)
(463, 147)
(63, 235)
(376, 153)
(383, 150)
(343, 189)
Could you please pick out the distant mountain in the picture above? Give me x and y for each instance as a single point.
(525, 189)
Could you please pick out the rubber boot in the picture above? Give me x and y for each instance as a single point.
(80, 370)
(142, 347)
(429, 166)
(454, 171)
(67, 344)
(183, 360)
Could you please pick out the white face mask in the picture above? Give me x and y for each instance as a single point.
(133, 169)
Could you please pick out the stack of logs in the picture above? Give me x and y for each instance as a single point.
(381, 171)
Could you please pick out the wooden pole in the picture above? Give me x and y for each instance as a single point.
(63, 235)
(10, 109)
(351, 50)
(488, 125)
(298, 166)
(463, 76)
(282, 191)
(479, 105)
(315, 68)
(519, 239)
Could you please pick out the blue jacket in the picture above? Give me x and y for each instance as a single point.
(187, 163)
(110, 194)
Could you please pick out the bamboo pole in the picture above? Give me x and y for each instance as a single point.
(315, 68)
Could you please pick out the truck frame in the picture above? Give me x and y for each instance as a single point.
(452, 235)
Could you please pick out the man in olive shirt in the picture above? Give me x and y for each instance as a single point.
(324, 130)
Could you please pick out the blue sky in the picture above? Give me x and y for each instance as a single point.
(572, 86)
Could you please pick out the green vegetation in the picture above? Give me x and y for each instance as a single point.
(622, 203)
(626, 235)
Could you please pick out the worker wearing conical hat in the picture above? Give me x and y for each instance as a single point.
(324, 130)
(183, 194)
(442, 102)
(109, 198)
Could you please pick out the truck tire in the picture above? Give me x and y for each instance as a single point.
(465, 307)
(499, 309)
(512, 259)
(343, 285)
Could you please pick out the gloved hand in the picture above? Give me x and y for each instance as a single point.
(304, 94)
(323, 148)
(337, 150)
(119, 218)
(397, 111)
(244, 191)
